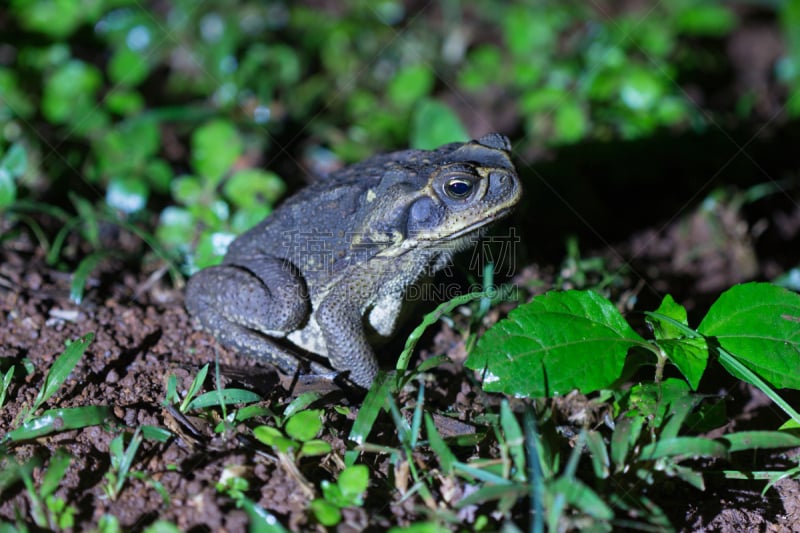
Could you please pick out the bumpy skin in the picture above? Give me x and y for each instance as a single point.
(348, 246)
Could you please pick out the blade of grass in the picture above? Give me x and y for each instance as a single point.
(60, 370)
(368, 413)
(55, 420)
(430, 319)
(55, 472)
(194, 388)
(81, 274)
(226, 396)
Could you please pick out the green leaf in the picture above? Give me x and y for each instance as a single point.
(625, 435)
(759, 440)
(156, 433)
(212, 247)
(85, 268)
(261, 521)
(759, 323)
(129, 195)
(683, 447)
(641, 89)
(581, 497)
(663, 329)
(570, 122)
(301, 402)
(58, 466)
(598, 452)
(175, 226)
(215, 147)
(353, 482)
(227, 396)
(127, 68)
(513, 439)
(69, 93)
(61, 369)
(56, 420)
(690, 355)
(434, 124)
(305, 425)
(411, 84)
(326, 513)
(194, 388)
(8, 188)
(253, 187)
(273, 437)
(706, 19)
(446, 457)
(658, 401)
(373, 403)
(15, 160)
(558, 342)
(315, 447)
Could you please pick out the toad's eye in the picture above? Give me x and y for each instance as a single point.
(458, 188)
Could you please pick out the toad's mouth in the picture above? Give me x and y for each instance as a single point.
(476, 226)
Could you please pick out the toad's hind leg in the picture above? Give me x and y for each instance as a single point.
(242, 311)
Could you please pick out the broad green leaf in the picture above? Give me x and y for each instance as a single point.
(127, 68)
(212, 247)
(187, 190)
(353, 482)
(410, 85)
(175, 226)
(273, 437)
(759, 323)
(315, 447)
(658, 402)
(434, 124)
(254, 187)
(641, 89)
(305, 425)
(570, 122)
(326, 513)
(129, 195)
(558, 342)
(215, 148)
(15, 160)
(690, 355)
(69, 93)
(663, 329)
(706, 19)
